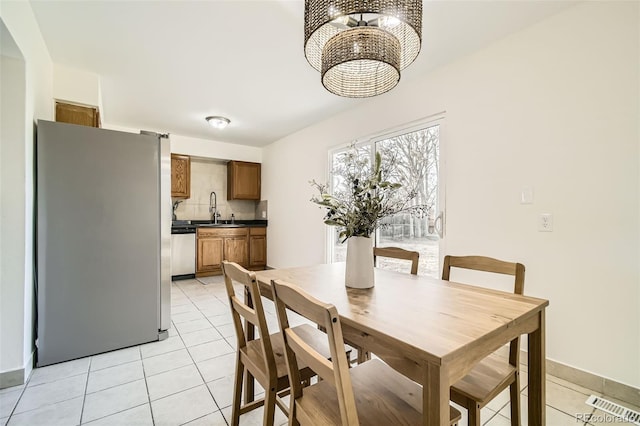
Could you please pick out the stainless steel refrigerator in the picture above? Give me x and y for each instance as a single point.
(103, 231)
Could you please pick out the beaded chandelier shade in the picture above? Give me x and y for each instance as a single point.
(360, 46)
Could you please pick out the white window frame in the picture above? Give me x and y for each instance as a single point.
(420, 124)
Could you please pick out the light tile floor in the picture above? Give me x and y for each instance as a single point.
(188, 378)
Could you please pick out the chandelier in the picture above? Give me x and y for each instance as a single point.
(360, 46)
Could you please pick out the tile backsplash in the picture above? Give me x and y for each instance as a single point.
(261, 210)
(207, 176)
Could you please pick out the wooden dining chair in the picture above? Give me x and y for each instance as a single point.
(398, 253)
(493, 374)
(370, 394)
(263, 357)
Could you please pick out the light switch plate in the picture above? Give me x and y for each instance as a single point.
(526, 195)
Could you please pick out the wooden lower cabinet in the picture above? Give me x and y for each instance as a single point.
(257, 248)
(210, 254)
(235, 250)
(245, 246)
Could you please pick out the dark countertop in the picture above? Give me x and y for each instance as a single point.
(193, 224)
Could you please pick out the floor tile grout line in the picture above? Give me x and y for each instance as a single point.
(205, 384)
(22, 391)
(146, 385)
(203, 379)
(111, 387)
(113, 414)
(495, 413)
(216, 327)
(53, 380)
(13, 413)
(574, 415)
(145, 375)
(164, 353)
(114, 366)
(195, 331)
(86, 387)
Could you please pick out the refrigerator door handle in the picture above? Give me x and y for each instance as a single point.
(165, 208)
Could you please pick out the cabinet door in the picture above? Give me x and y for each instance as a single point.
(180, 176)
(210, 254)
(77, 114)
(257, 251)
(235, 250)
(243, 180)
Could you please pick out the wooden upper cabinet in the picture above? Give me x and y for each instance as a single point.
(180, 176)
(243, 180)
(77, 114)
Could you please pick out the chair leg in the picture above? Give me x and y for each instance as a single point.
(237, 392)
(363, 356)
(514, 391)
(293, 421)
(269, 405)
(473, 409)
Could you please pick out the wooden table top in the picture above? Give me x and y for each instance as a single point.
(434, 319)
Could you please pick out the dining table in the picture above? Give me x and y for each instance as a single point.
(430, 330)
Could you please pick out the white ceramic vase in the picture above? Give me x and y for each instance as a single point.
(359, 270)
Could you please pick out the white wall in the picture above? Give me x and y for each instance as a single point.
(12, 259)
(214, 149)
(201, 147)
(553, 107)
(17, 230)
(76, 86)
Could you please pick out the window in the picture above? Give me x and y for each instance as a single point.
(413, 156)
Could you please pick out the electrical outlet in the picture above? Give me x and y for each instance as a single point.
(545, 223)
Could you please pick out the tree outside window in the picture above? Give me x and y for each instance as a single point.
(412, 159)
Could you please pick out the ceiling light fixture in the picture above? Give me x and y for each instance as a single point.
(359, 46)
(218, 122)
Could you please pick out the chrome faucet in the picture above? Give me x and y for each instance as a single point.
(213, 207)
(175, 206)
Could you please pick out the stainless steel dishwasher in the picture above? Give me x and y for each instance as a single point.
(183, 251)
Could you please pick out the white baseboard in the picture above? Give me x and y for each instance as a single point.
(605, 386)
(16, 377)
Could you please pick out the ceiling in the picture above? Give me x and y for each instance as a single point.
(166, 65)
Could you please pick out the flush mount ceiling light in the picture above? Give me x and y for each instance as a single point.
(218, 122)
(360, 46)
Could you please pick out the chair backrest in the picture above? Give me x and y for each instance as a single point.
(334, 371)
(489, 264)
(398, 253)
(251, 312)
